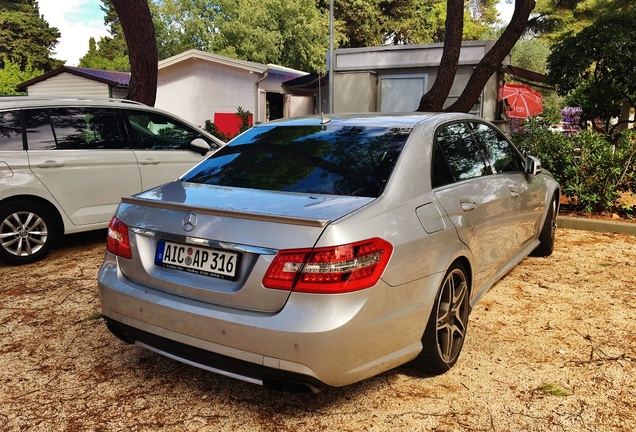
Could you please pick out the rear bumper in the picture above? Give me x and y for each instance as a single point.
(316, 340)
(251, 372)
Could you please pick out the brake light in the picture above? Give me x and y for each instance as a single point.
(329, 270)
(118, 241)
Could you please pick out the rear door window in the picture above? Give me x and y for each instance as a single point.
(457, 156)
(322, 159)
(10, 131)
(501, 154)
(75, 128)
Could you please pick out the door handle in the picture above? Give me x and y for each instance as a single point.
(149, 162)
(51, 164)
(513, 191)
(468, 205)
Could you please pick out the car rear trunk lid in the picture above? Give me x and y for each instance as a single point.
(241, 227)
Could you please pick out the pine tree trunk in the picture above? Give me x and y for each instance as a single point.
(491, 62)
(434, 99)
(135, 19)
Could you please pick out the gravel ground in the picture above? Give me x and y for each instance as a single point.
(551, 347)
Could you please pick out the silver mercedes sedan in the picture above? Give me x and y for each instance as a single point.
(314, 252)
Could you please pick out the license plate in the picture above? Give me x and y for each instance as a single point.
(197, 260)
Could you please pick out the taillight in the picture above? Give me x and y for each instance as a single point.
(329, 270)
(118, 242)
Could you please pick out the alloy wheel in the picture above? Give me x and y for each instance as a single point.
(23, 233)
(452, 316)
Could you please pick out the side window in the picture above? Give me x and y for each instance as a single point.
(154, 131)
(74, 128)
(456, 156)
(503, 156)
(10, 131)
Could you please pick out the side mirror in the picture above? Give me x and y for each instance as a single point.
(533, 165)
(199, 144)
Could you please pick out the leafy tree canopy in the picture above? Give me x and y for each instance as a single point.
(11, 75)
(181, 25)
(111, 52)
(596, 65)
(292, 33)
(295, 33)
(554, 20)
(27, 39)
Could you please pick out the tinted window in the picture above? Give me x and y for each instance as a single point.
(464, 158)
(336, 160)
(503, 156)
(10, 131)
(154, 131)
(73, 128)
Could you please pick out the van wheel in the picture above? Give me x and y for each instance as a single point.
(446, 328)
(27, 232)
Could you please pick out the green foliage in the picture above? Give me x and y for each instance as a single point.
(213, 129)
(552, 106)
(245, 116)
(181, 25)
(108, 56)
(595, 67)
(27, 39)
(292, 33)
(558, 19)
(11, 75)
(295, 33)
(591, 170)
(531, 54)
(110, 53)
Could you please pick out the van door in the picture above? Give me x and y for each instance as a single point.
(162, 146)
(80, 156)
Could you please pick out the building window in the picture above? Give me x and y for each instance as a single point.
(402, 93)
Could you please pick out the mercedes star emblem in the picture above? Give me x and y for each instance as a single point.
(189, 222)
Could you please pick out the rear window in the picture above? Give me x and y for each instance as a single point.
(334, 160)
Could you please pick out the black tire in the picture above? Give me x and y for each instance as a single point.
(27, 232)
(548, 232)
(446, 328)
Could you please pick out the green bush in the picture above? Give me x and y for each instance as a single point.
(592, 171)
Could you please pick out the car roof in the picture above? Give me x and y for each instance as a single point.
(403, 120)
(9, 102)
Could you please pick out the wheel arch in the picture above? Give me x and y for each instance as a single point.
(58, 220)
(465, 262)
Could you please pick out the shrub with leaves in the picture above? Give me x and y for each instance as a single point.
(592, 171)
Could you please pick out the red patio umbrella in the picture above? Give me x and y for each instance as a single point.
(524, 102)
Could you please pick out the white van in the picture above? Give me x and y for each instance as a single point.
(66, 163)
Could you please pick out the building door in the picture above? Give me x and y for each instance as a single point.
(275, 105)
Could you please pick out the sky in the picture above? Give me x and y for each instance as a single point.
(79, 20)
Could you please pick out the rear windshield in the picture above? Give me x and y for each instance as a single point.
(334, 160)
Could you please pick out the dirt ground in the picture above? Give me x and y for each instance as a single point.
(551, 347)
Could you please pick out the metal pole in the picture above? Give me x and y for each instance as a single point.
(331, 62)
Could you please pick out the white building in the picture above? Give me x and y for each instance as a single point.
(195, 85)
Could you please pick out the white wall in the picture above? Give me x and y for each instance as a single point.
(196, 89)
(66, 84)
